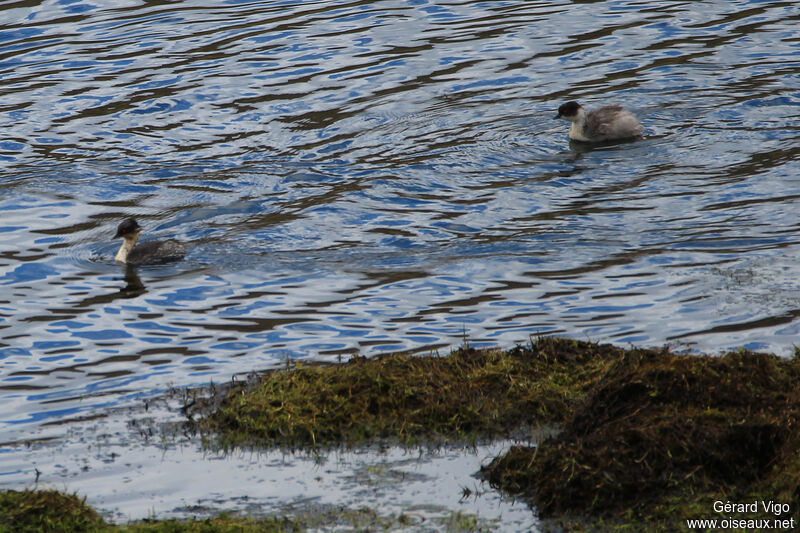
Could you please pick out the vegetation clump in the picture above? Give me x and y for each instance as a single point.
(646, 435)
(49, 511)
(46, 511)
(467, 395)
(662, 436)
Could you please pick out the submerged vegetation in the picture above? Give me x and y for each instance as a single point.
(644, 439)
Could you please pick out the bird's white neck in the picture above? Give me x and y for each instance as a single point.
(128, 242)
(576, 130)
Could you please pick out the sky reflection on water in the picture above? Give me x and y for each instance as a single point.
(383, 176)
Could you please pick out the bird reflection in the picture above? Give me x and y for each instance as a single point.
(133, 288)
(133, 283)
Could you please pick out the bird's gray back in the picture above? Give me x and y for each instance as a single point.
(611, 122)
(154, 252)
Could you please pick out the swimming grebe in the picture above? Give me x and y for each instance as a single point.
(608, 123)
(147, 253)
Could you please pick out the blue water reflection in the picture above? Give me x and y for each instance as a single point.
(371, 177)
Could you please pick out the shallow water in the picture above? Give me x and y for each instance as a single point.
(130, 467)
(379, 176)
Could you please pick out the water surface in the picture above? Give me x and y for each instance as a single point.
(366, 177)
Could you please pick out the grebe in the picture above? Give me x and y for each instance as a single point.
(608, 123)
(147, 253)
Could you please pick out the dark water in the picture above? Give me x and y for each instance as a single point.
(379, 176)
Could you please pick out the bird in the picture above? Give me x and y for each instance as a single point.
(146, 253)
(608, 123)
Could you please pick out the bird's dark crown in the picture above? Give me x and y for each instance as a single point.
(569, 109)
(127, 227)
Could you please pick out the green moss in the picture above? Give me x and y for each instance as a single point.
(467, 395)
(49, 511)
(46, 511)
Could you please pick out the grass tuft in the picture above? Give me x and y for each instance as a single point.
(46, 511)
(467, 395)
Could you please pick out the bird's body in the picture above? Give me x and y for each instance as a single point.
(146, 253)
(608, 123)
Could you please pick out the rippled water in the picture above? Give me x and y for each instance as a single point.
(367, 176)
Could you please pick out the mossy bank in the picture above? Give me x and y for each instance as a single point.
(648, 438)
(464, 396)
(49, 511)
(45, 511)
(661, 439)
(644, 439)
